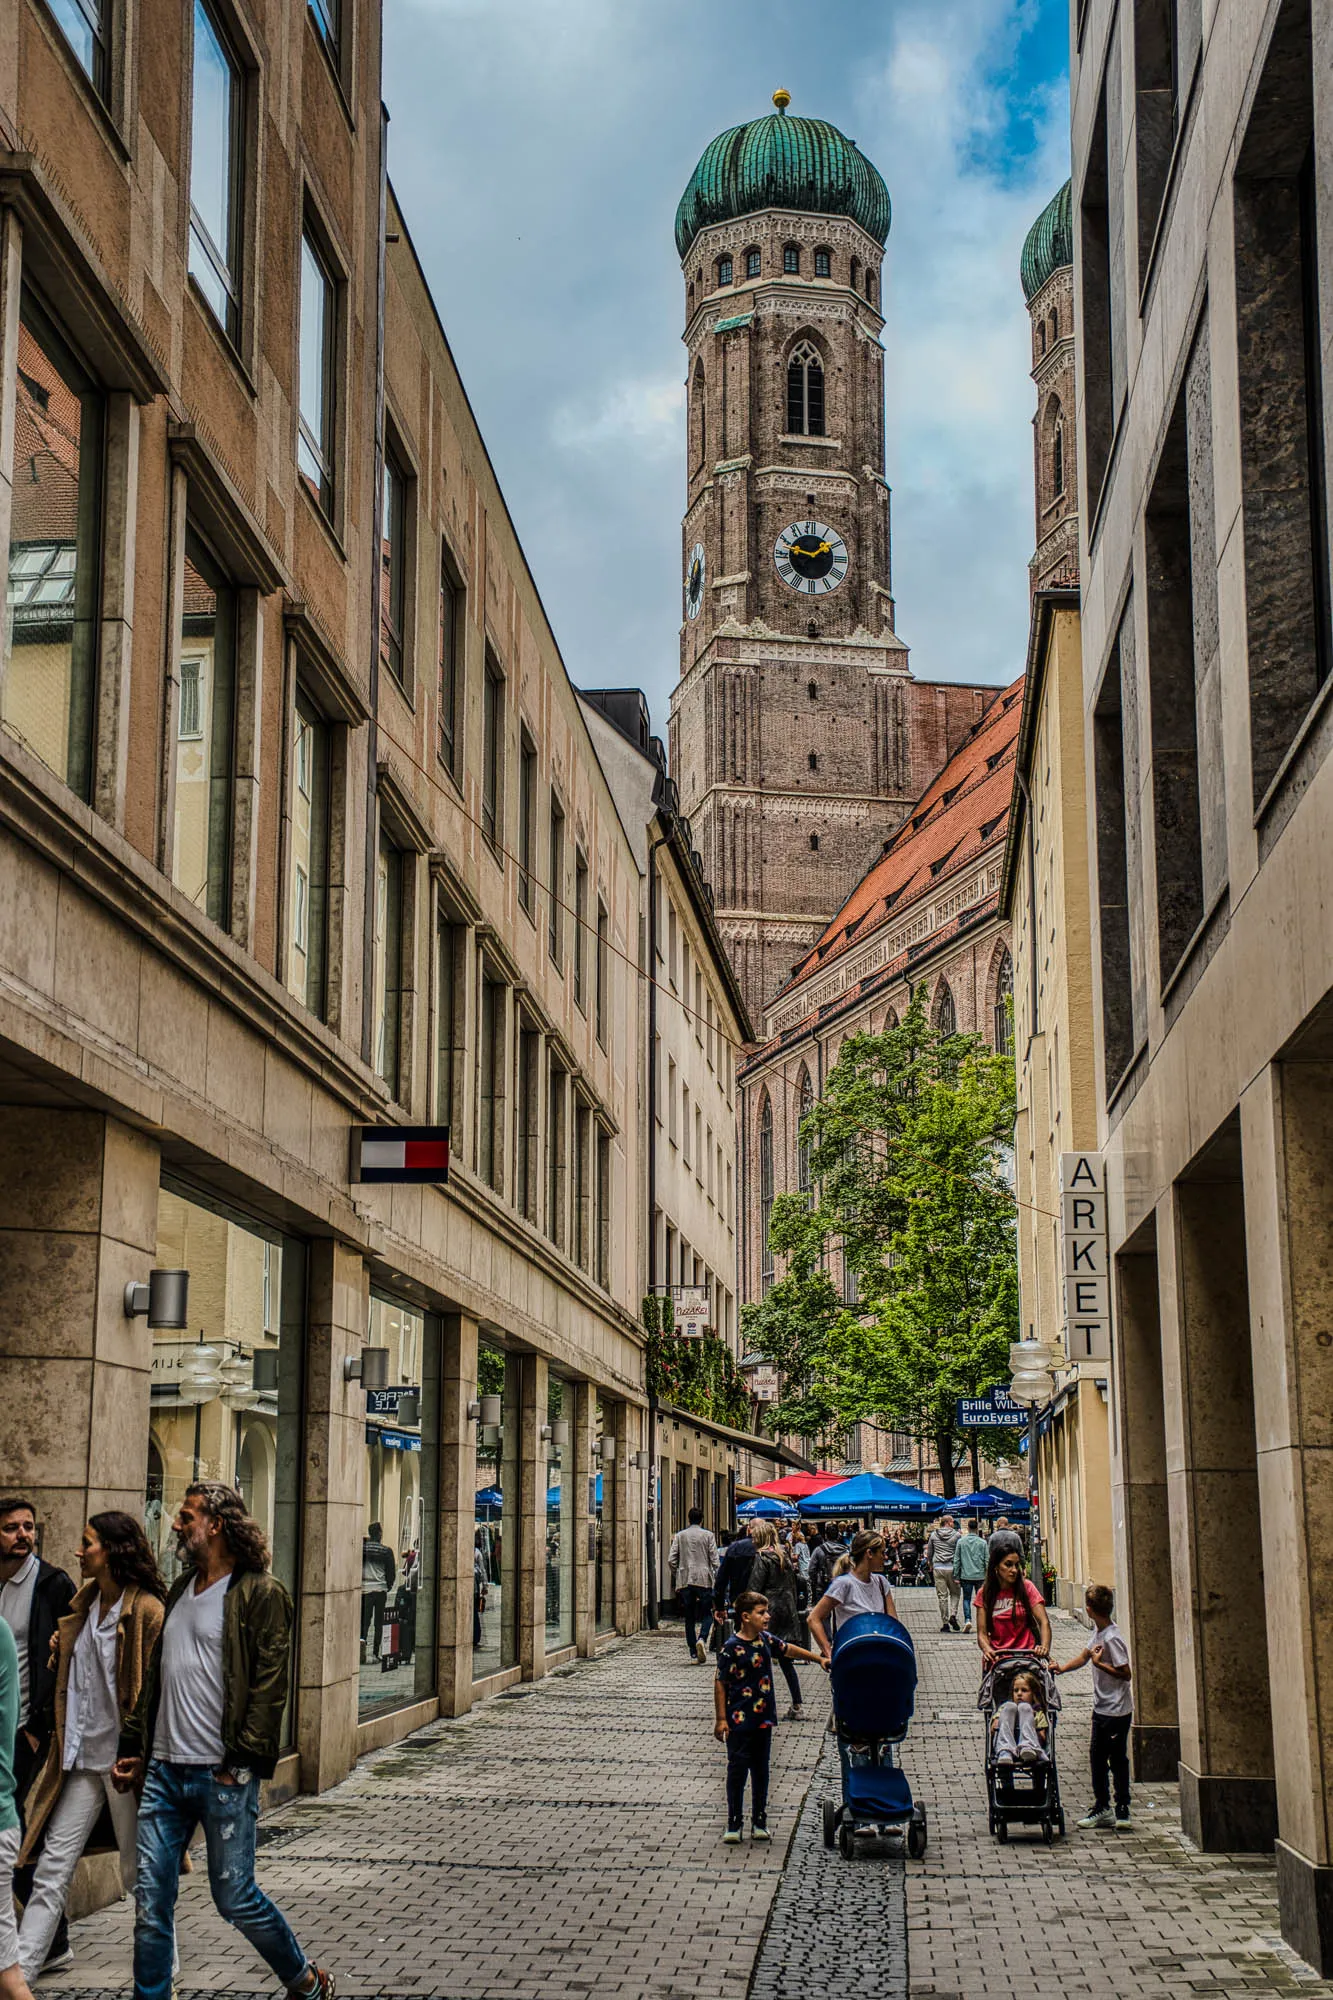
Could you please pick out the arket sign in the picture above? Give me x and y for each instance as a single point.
(1083, 1256)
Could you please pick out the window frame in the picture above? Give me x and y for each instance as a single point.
(493, 755)
(823, 263)
(602, 975)
(754, 263)
(390, 1072)
(450, 670)
(555, 865)
(581, 882)
(527, 824)
(226, 261)
(220, 703)
(96, 14)
(311, 725)
(725, 271)
(791, 260)
(395, 597)
(322, 450)
(330, 32)
(803, 361)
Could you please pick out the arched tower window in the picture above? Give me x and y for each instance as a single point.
(946, 1014)
(791, 259)
(806, 1102)
(805, 392)
(765, 1194)
(856, 274)
(690, 295)
(872, 284)
(753, 263)
(698, 418)
(1004, 993)
(1041, 338)
(724, 270)
(1055, 325)
(823, 263)
(1058, 457)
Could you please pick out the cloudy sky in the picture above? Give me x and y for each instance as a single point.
(539, 148)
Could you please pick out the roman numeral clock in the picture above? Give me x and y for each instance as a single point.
(811, 557)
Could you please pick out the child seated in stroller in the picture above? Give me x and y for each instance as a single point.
(1020, 1726)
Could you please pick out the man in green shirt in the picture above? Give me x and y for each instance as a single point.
(13, 1986)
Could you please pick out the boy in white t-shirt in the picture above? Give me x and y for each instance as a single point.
(1112, 1712)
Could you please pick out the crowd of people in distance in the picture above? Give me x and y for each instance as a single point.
(776, 1592)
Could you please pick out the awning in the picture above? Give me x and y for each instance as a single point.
(762, 1447)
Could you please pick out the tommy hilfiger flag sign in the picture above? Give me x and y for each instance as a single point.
(404, 1153)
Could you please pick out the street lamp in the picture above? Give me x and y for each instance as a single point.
(1031, 1366)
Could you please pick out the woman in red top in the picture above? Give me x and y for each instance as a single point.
(1010, 1613)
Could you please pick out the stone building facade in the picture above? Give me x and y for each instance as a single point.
(1045, 898)
(799, 736)
(1203, 277)
(301, 831)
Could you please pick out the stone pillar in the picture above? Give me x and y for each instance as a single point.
(1139, 1510)
(1227, 1796)
(333, 1517)
(532, 1526)
(458, 1511)
(77, 1224)
(582, 1436)
(1287, 1121)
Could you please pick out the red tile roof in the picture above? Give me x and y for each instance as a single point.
(964, 810)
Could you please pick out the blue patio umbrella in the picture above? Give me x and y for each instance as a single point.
(992, 1500)
(765, 1508)
(868, 1493)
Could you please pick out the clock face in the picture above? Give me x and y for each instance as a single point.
(811, 557)
(694, 581)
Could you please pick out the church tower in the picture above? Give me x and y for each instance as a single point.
(799, 737)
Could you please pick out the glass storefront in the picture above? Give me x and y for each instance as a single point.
(399, 1550)
(604, 1506)
(226, 1394)
(495, 1539)
(559, 1516)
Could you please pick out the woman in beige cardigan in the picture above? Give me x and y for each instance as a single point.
(101, 1649)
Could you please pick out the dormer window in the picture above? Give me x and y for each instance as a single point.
(823, 264)
(724, 270)
(791, 259)
(753, 263)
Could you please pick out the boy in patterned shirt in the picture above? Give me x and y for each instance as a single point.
(746, 1708)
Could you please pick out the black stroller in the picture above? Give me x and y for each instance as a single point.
(1021, 1794)
(873, 1675)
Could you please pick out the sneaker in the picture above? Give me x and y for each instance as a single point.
(945, 1626)
(1005, 1760)
(1122, 1823)
(323, 1988)
(732, 1836)
(59, 1956)
(701, 1652)
(759, 1831)
(1098, 1820)
(953, 1624)
(796, 1713)
(968, 1626)
(1027, 1755)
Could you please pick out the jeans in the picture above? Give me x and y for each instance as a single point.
(1110, 1762)
(792, 1679)
(970, 1590)
(748, 1752)
(73, 1817)
(372, 1618)
(176, 1799)
(946, 1594)
(696, 1604)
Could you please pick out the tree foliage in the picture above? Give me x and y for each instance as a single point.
(909, 1156)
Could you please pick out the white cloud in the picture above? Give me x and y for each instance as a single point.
(646, 414)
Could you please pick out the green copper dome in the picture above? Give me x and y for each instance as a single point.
(1050, 243)
(782, 162)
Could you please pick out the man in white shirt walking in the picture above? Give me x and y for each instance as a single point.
(34, 1597)
(692, 1565)
(208, 1724)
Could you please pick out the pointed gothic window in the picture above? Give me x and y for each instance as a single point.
(765, 1194)
(805, 392)
(698, 418)
(1058, 458)
(1004, 993)
(807, 1105)
(946, 1014)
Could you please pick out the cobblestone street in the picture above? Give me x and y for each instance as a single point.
(565, 1840)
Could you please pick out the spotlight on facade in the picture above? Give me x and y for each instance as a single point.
(164, 1299)
(490, 1411)
(560, 1431)
(409, 1409)
(370, 1368)
(641, 1461)
(606, 1448)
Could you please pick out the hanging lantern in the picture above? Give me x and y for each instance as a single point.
(200, 1376)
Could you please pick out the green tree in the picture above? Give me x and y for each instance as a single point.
(909, 1154)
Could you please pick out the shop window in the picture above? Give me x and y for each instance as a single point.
(496, 1533)
(307, 945)
(492, 752)
(217, 152)
(318, 350)
(560, 1413)
(580, 929)
(225, 1399)
(555, 915)
(201, 837)
(604, 1498)
(448, 723)
(401, 1498)
(388, 962)
(54, 551)
(393, 567)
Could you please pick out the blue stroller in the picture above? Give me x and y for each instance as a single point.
(874, 1685)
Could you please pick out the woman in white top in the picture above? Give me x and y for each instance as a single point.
(101, 1648)
(862, 1587)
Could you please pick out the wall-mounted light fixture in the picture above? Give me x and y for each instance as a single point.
(545, 1433)
(491, 1407)
(370, 1368)
(266, 1371)
(641, 1460)
(164, 1300)
(409, 1408)
(474, 1411)
(606, 1447)
(559, 1431)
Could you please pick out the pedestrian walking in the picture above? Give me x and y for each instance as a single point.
(34, 1597)
(823, 1557)
(102, 1647)
(1002, 1536)
(1112, 1711)
(862, 1587)
(692, 1565)
(1011, 1612)
(800, 1549)
(13, 1986)
(745, 1709)
(940, 1548)
(733, 1575)
(774, 1575)
(208, 1726)
(969, 1566)
(378, 1570)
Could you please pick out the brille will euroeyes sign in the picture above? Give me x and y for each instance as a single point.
(996, 1410)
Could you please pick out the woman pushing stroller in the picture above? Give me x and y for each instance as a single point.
(1018, 1698)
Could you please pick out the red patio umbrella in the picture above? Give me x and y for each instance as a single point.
(799, 1485)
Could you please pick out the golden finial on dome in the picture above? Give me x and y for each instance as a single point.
(782, 98)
